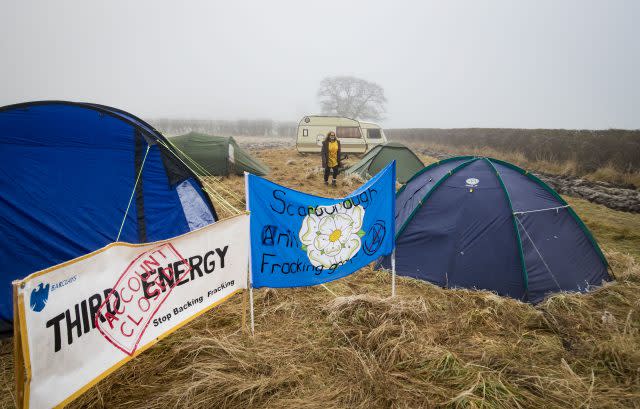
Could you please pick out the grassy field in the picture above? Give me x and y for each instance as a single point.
(606, 155)
(354, 347)
(614, 230)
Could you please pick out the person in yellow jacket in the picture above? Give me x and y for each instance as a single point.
(330, 157)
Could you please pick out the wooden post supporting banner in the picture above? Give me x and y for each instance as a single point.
(244, 312)
(245, 295)
(248, 208)
(393, 273)
(251, 303)
(18, 357)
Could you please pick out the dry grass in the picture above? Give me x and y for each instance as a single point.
(427, 347)
(609, 173)
(581, 152)
(612, 228)
(540, 163)
(354, 180)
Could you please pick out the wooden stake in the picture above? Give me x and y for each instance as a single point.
(253, 330)
(18, 358)
(245, 295)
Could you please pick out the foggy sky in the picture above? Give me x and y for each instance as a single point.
(529, 64)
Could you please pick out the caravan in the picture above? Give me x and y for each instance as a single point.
(355, 137)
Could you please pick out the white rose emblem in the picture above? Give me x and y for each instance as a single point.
(333, 238)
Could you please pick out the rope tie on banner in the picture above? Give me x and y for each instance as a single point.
(542, 210)
(327, 288)
(133, 192)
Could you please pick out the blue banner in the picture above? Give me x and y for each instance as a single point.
(299, 239)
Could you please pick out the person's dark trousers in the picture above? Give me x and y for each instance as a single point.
(328, 170)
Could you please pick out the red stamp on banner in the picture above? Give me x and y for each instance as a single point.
(145, 284)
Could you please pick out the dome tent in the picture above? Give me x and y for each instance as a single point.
(407, 163)
(483, 223)
(69, 178)
(216, 155)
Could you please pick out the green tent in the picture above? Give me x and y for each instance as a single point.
(216, 155)
(407, 163)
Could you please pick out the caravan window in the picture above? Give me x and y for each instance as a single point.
(348, 132)
(373, 133)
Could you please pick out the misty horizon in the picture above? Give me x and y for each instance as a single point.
(153, 120)
(457, 64)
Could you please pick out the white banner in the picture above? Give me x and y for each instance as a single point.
(83, 319)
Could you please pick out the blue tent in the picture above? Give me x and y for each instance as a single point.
(69, 174)
(483, 223)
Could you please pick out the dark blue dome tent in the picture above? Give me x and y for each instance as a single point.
(70, 172)
(483, 223)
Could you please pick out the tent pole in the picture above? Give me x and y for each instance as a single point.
(393, 273)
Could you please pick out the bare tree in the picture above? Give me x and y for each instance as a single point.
(351, 97)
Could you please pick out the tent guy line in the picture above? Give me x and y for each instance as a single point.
(206, 173)
(133, 192)
(541, 210)
(210, 189)
(539, 254)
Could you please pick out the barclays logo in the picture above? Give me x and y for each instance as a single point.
(39, 297)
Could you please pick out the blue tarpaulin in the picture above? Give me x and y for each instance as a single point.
(299, 239)
(67, 177)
